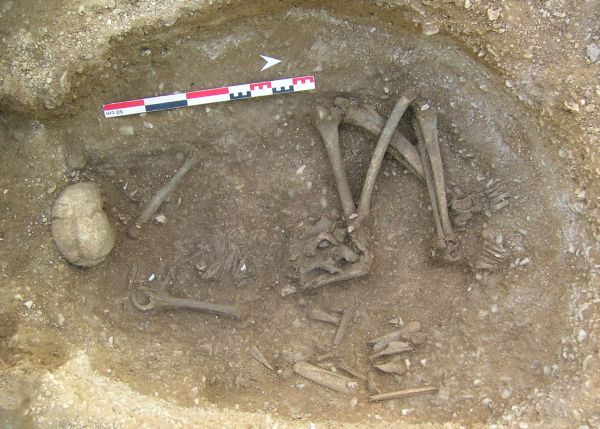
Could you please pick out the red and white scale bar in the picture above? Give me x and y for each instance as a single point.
(207, 96)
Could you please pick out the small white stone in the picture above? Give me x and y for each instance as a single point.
(524, 262)
(386, 90)
(406, 411)
(523, 425)
(300, 170)
(430, 28)
(581, 335)
(110, 341)
(477, 382)
(148, 125)
(353, 216)
(493, 13)
(468, 4)
(506, 393)
(28, 305)
(571, 106)
(60, 319)
(494, 308)
(151, 277)
(350, 228)
(425, 107)
(593, 52)
(126, 130)
(160, 218)
(288, 290)
(323, 201)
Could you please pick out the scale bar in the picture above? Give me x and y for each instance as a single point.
(208, 96)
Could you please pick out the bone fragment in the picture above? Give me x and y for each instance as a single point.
(161, 195)
(354, 373)
(323, 316)
(326, 356)
(406, 330)
(372, 386)
(394, 366)
(403, 393)
(342, 328)
(323, 377)
(260, 357)
(394, 347)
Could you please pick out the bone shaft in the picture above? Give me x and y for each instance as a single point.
(429, 180)
(428, 121)
(334, 152)
(403, 393)
(364, 206)
(342, 328)
(164, 192)
(207, 307)
(325, 356)
(323, 316)
(354, 373)
(392, 336)
(401, 149)
(329, 379)
(395, 351)
(410, 328)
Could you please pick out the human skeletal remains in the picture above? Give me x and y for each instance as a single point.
(335, 251)
(340, 252)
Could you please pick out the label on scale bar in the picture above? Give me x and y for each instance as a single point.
(208, 96)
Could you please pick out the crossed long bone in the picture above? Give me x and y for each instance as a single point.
(425, 161)
(342, 254)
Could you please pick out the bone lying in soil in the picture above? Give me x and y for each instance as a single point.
(323, 377)
(158, 298)
(367, 118)
(160, 197)
(425, 124)
(416, 391)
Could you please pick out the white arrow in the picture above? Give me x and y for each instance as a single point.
(270, 62)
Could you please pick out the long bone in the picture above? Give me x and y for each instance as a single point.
(159, 298)
(364, 207)
(366, 117)
(328, 122)
(425, 123)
